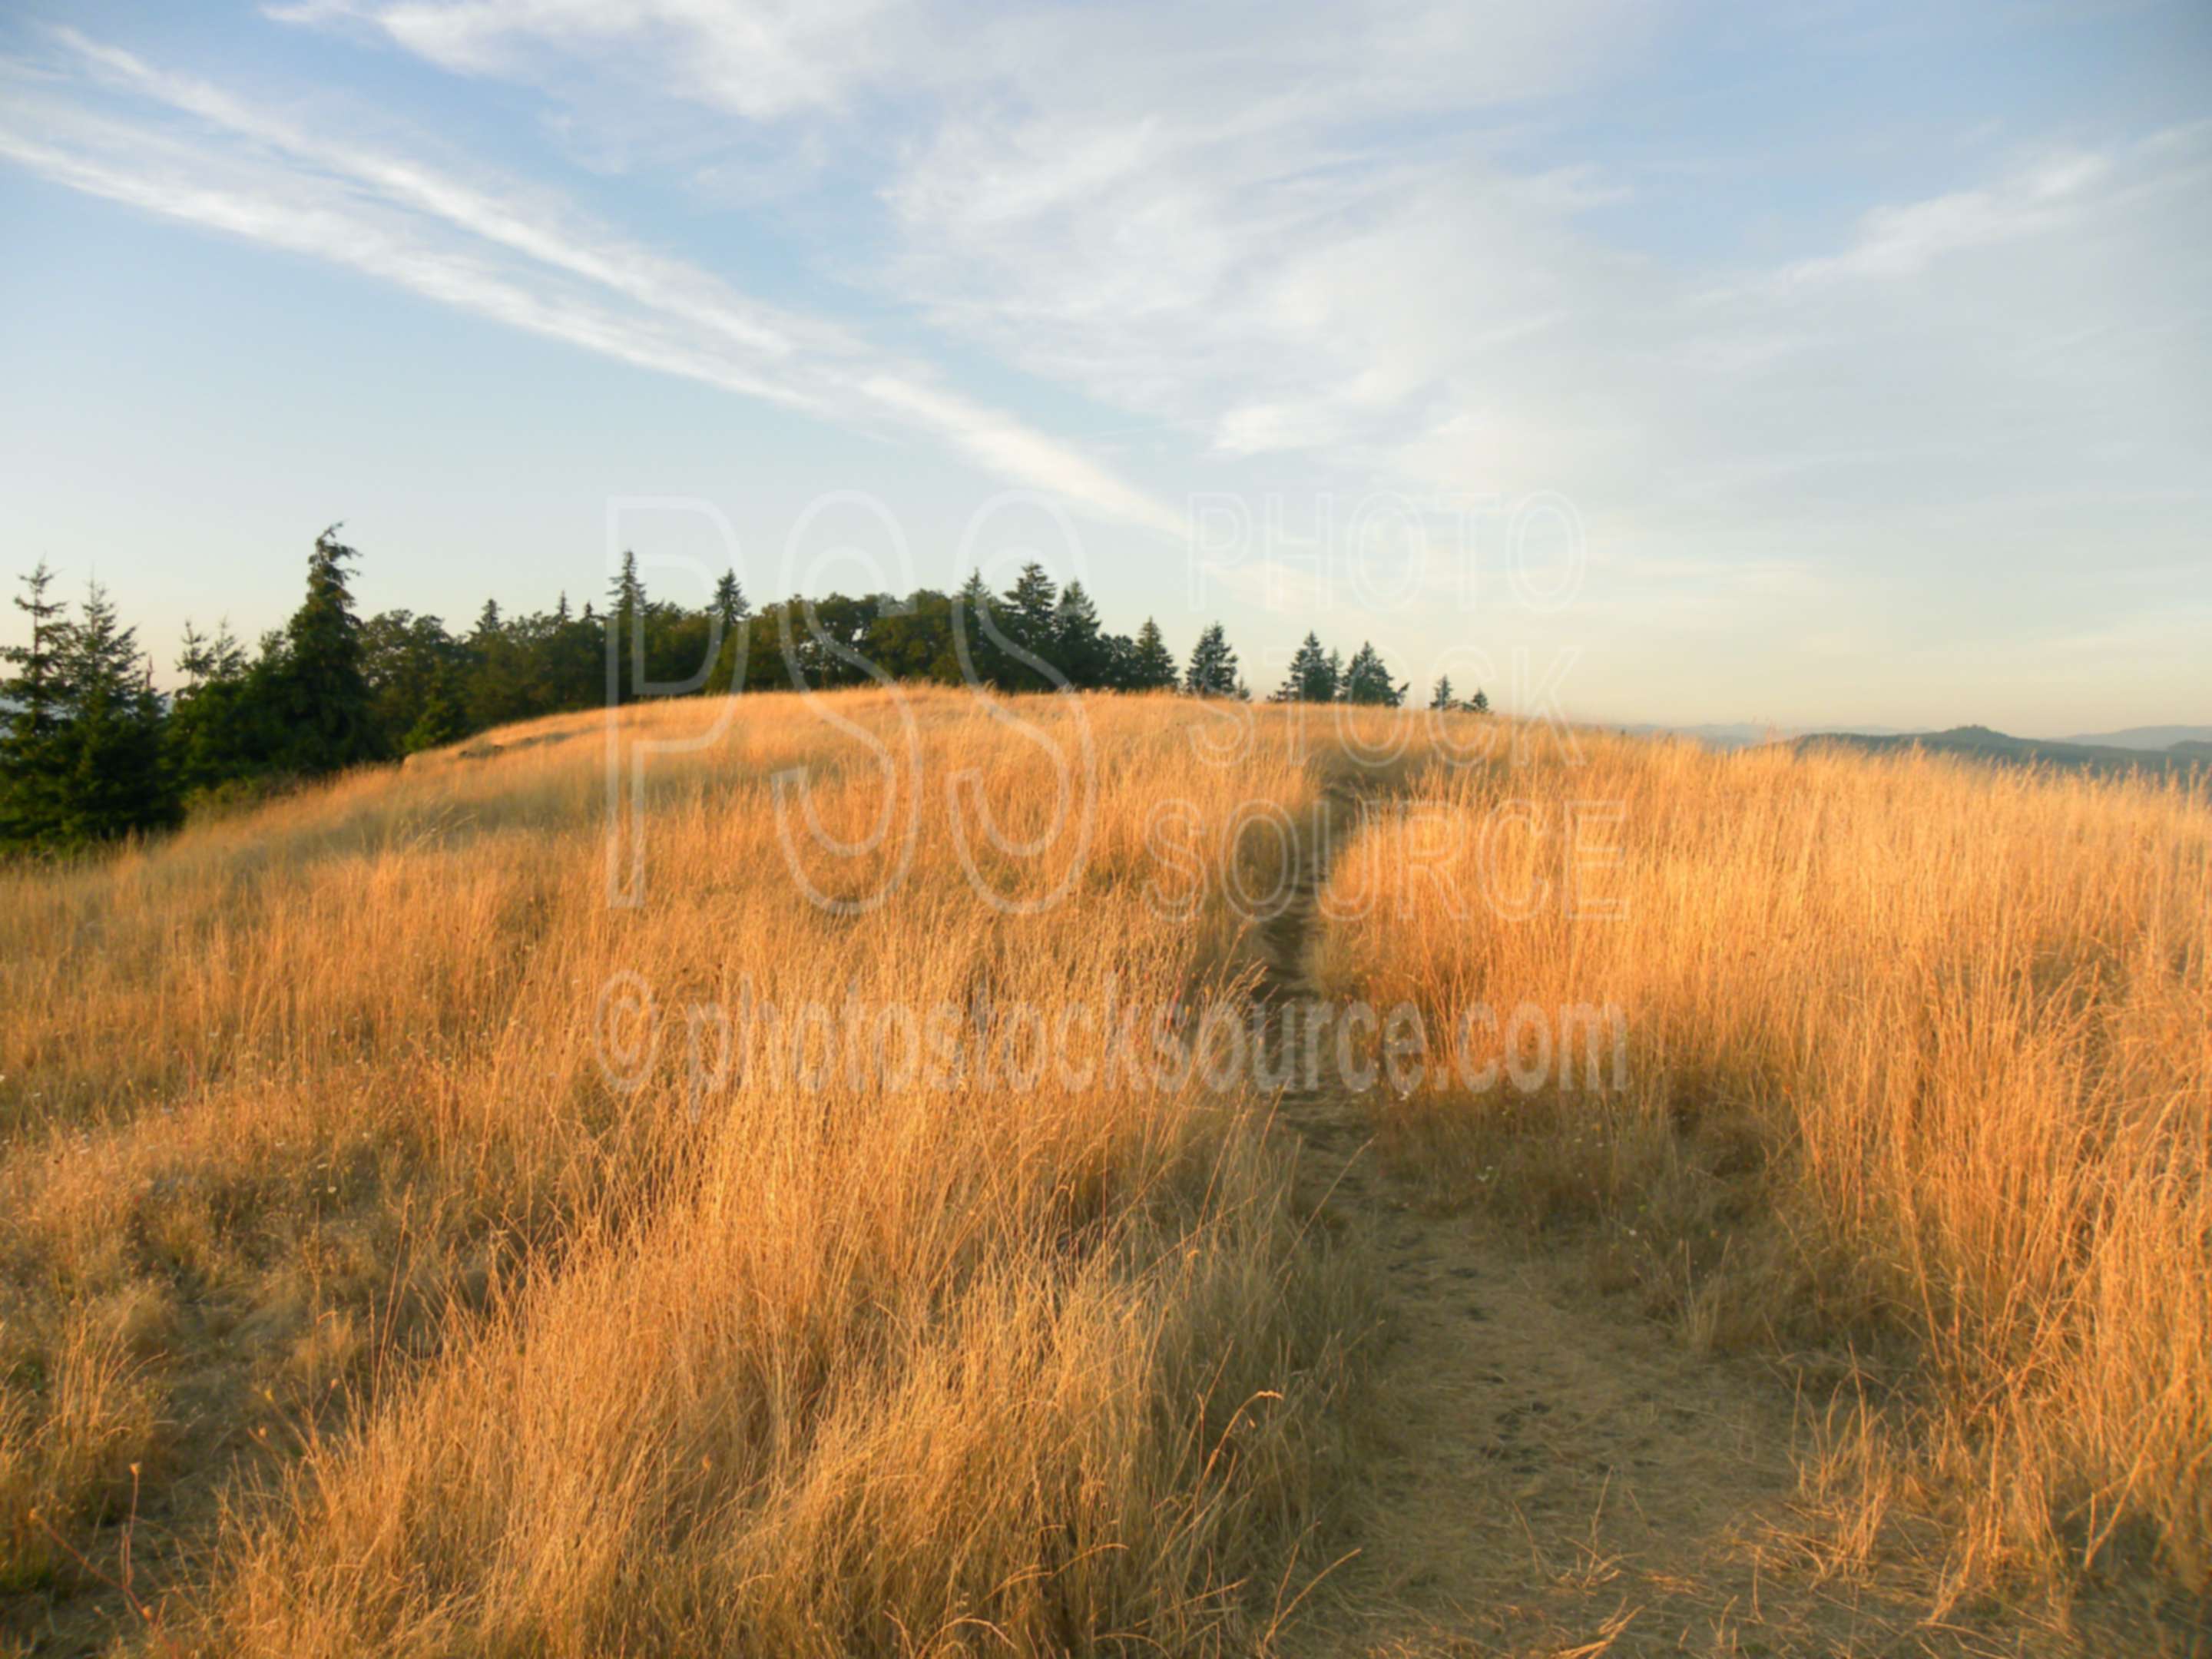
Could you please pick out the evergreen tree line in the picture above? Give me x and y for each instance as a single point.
(90, 751)
(1319, 676)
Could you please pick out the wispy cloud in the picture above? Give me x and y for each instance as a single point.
(761, 61)
(535, 231)
(382, 214)
(1410, 246)
(327, 231)
(1902, 241)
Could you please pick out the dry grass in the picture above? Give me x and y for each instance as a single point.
(322, 1210)
(350, 1302)
(1918, 1080)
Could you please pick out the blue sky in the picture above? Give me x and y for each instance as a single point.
(1819, 363)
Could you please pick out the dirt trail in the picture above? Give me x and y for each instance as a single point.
(1549, 1473)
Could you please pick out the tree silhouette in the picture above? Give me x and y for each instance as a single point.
(1027, 615)
(106, 749)
(730, 602)
(35, 697)
(625, 625)
(316, 689)
(1367, 681)
(1152, 665)
(1079, 650)
(978, 655)
(1312, 676)
(1212, 670)
(330, 690)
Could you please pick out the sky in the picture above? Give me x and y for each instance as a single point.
(1817, 363)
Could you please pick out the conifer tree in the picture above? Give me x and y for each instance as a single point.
(1079, 650)
(1025, 615)
(214, 735)
(197, 657)
(33, 700)
(1212, 670)
(1366, 680)
(320, 695)
(730, 608)
(107, 747)
(977, 633)
(730, 603)
(1118, 654)
(1028, 611)
(1312, 676)
(1152, 665)
(36, 691)
(1441, 698)
(625, 625)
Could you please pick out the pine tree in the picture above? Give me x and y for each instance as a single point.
(1029, 607)
(730, 603)
(195, 657)
(976, 632)
(1025, 616)
(320, 697)
(1119, 654)
(1442, 698)
(1152, 665)
(1312, 676)
(729, 609)
(1212, 670)
(575, 656)
(214, 735)
(1478, 703)
(38, 691)
(1367, 681)
(1079, 649)
(35, 697)
(108, 751)
(625, 624)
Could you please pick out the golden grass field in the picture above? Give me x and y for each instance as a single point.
(351, 1302)
(1919, 1089)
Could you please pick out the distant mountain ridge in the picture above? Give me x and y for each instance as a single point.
(1980, 743)
(1739, 734)
(2145, 737)
(2136, 747)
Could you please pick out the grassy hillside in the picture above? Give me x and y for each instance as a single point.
(1914, 1087)
(412, 1244)
(374, 1284)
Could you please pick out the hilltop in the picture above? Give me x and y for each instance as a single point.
(432, 1234)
